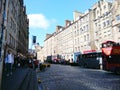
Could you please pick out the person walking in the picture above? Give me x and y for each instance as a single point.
(9, 61)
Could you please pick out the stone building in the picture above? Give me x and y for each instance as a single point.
(116, 20)
(13, 29)
(83, 32)
(23, 31)
(16, 33)
(102, 24)
(86, 32)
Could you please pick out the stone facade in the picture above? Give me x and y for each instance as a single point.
(13, 29)
(16, 27)
(102, 24)
(86, 32)
(116, 20)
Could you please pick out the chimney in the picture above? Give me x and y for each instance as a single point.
(67, 23)
(58, 28)
(48, 35)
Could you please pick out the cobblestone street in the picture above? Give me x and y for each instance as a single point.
(64, 77)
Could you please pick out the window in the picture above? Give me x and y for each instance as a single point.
(99, 26)
(96, 24)
(104, 6)
(78, 40)
(81, 29)
(109, 34)
(119, 28)
(75, 41)
(78, 48)
(75, 48)
(118, 17)
(108, 22)
(105, 32)
(84, 38)
(75, 33)
(87, 36)
(86, 27)
(96, 33)
(74, 27)
(104, 24)
(97, 11)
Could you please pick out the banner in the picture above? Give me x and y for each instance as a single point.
(34, 39)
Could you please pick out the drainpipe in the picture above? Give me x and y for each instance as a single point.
(2, 37)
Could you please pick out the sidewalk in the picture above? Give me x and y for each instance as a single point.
(22, 79)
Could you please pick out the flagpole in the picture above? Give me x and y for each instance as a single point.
(32, 42)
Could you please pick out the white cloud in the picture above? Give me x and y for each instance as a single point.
(38, 21)
(53, 20)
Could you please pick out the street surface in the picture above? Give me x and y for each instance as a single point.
(65, 77)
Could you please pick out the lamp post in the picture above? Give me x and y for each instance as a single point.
(2, 37)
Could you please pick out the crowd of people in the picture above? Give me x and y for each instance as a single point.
(12, 62)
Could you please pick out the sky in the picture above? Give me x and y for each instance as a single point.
(45, 15)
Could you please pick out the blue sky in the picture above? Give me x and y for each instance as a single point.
(45, 15)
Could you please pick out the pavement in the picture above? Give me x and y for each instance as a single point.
(21, 79)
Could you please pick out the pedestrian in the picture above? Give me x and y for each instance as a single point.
(9, 61)
(15, 61)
